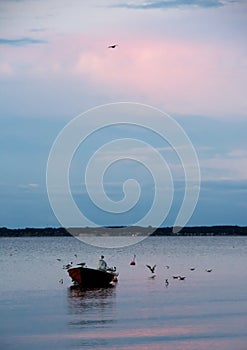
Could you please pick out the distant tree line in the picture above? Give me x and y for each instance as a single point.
(203, 231)
(162, 231)
(33, 232)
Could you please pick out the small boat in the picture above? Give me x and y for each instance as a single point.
(92, 278)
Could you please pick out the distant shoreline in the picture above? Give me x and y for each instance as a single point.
(220, 230)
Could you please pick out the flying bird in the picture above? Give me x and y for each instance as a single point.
(182, 278)
(151, 268)
(112, 46)
(166, 282)
(210, 270)
(192, 269)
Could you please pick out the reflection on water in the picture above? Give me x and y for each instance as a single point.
(88, 307)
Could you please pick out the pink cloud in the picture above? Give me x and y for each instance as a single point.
(177, 75)
(184, 76)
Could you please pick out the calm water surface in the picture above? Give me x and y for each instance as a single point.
(205, 311)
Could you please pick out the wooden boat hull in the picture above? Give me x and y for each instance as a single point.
(91, 278)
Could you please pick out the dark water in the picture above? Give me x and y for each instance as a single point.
(205, 311)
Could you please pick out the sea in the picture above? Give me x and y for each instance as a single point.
(40, 309)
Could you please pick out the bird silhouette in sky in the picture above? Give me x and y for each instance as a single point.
(151, 268)
(112, 46)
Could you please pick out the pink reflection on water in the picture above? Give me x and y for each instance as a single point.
(136, 333)
(170, 339)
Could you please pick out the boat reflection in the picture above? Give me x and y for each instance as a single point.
(87, 307)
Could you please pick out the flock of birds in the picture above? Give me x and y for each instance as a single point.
(153, 275)
(178, 277)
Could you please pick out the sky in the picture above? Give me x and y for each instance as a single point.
(184, 58)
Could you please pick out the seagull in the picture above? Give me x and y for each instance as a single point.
(58, 259)
(112, 269)
(166, 282)
(61, 281)
(151, 268)
(192, 268)
(66, 267)
(167, 266)
(112, 46)
(75, 255)
(153, 276)
(209, 270)
(181, 278)
(175, 277)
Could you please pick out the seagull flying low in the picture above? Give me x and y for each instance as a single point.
(181, 278)
(151, 268)
(112, 46)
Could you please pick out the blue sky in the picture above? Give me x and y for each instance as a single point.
(186, 58)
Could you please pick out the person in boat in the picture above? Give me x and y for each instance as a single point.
(102, 265)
